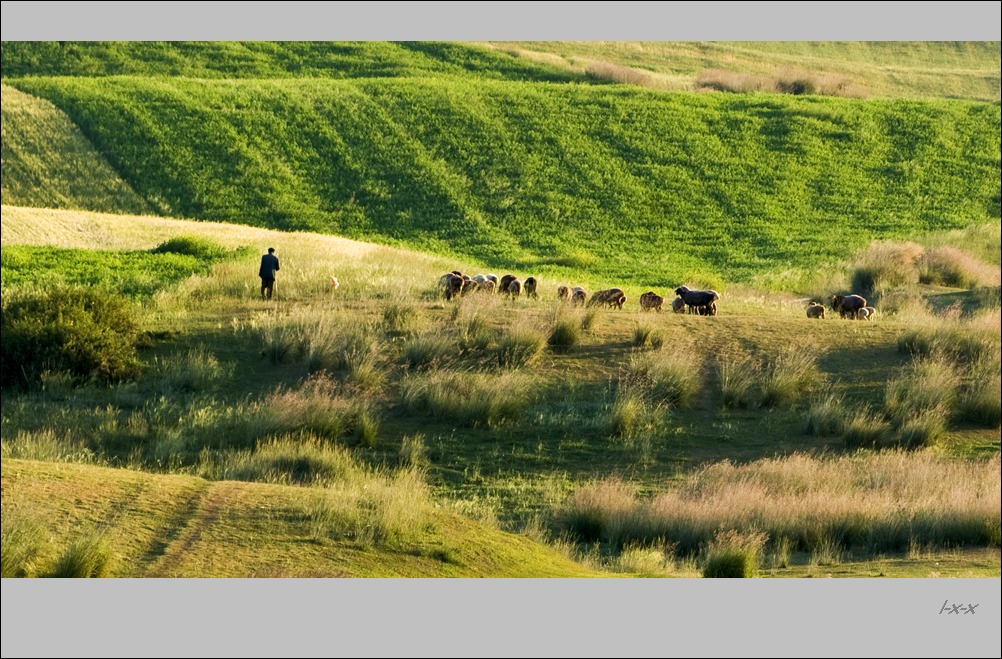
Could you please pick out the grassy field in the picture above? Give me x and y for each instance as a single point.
(161, 419)
(516, 434)
(635, 186)
(889, 69)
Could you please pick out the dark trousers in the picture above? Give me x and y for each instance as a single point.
(267, 286)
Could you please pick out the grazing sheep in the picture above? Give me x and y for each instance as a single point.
(651, 300)
(612, 297)
(578, 296)
(529, 287)
(450, 285)
(815, 310)
(469, 285)
(487, 286)
(515, 288)
(678, 305)
(506, 281)
(696, 300)
(870, 312)
(563, 293)
(848, 305)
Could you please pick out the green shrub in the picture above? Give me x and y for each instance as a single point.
(88, 556)
(202, 248)
(565, 335)
(86, 332)
(734, 555)
(23, 538)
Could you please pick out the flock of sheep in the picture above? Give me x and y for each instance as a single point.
(704, 303)
(455, 284)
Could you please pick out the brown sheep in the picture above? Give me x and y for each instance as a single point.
(612, 297)
(514, 288)
(529, 287)
(848, 305)
(651, 300)
(505, 283)
(450, 285)
(563, 293)
(815, 310)
(578, 296)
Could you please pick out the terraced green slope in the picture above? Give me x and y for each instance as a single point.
(48, 163)
(632, 184)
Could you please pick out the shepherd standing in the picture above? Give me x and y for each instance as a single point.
(269, 266)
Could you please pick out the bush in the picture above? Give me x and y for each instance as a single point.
(86, 332)
(565, 335)
(734, 555)
(201, 248)
(88, 556)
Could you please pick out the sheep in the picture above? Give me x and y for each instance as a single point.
(848, 305)
(529, 287)
(651, 300)
(515, 287)
(678, 305)
(563, 293)
(505, 282)
(451, 285)
(870, 312)
(578, 296)
(612, 297)
(695, 300)
(815, 310)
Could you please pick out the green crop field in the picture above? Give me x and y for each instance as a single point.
(375, 428)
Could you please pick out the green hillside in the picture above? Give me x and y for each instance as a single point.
(150, 525)
(48, 163)
(634, 185)
(910, 69)
(270, 59)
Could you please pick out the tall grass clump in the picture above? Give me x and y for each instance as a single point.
(866, 428)
(826, 415)
(926, 386)
(733, 554)
(85, 332)
(23, 541)
(295, 458)
(473, 399)
(922, 429)
(87, 556)
(318, 405)
(429, 351)
(193, 371)
(628, 415)
(520, 345)
(670, 378)
(875, 502)
(645, 335)
(981, 400)
(738, 378)
(588, 319)
(413, 451)
(591, 512)
(564, 335)
(949, 266)
(788, 377)
(885, 265)
(374, 509)
(401, 318)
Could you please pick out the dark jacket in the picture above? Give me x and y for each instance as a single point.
(269, 266)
